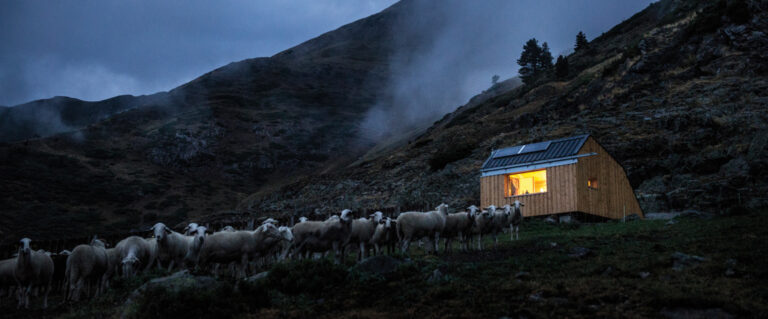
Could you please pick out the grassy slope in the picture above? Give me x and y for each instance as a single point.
(484, 284)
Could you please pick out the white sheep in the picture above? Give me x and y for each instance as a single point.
(136, 254)
(190, 229)
(515, 219)
(501, 219)
(332, 234)
(483, 225)
(228, 228)
(459, 225)
(384, 235)
(86, 265)
(303, 219)
(414, 225)
(270, 221)
(362, 231)
(34, 269)
(172, 244)
(113, 264)
(225, 247)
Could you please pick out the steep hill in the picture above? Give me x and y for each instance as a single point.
(678, 94)
(197, 149)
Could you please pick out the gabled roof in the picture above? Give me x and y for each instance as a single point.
(521, 155)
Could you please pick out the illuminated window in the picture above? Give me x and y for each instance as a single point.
(592, 183)
(526, 183)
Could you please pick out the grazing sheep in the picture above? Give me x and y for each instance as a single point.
(278, 247)
(362, 231)
(7, 278)
(190, 229)
(501, 219)
(135, 254)
(34, 269)
(225, 247)
(86, 265)
(384, 235)
(483, 225)
(332, 234)
(516, 218)
(459, 225)
(172, 244)
(414, 225)
(113, 262)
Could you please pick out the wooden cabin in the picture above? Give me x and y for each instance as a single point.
(568, 175)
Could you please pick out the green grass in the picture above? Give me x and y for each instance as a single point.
(605, 283)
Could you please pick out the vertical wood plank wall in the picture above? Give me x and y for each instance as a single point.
(560, 196)
(567, 189)
(613, 193)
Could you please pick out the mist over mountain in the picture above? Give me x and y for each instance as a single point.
(394, 109)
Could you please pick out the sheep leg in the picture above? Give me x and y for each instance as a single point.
(362, 251)
(47, 290)
(437, 242)
(517, 232)
(405, 245)
(336, 253)
(171, 264)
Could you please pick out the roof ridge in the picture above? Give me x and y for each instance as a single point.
(574, 137)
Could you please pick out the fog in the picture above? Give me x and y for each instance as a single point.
(447, 51)
(95, 49)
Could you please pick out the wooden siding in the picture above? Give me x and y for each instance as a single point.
(613, 194)
(560, 196)
(567, 189)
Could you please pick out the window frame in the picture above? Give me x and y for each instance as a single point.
(508, 181)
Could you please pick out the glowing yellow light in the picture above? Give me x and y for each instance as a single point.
(526, 183)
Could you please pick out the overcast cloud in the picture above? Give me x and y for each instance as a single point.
(91, 49)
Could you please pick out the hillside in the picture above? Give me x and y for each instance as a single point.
(197, 149)
(677, 94)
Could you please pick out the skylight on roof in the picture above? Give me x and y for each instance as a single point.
(535, 147)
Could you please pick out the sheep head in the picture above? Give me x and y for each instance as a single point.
(160, 230)
(24, 246)
(518, 204)
(377, 217)
(269, 221)
(98, 243)
(190, 229)
(130, 263)
(442, 209)
(472, 211)
(286, 233)
(346, 216)
(303, 219)
(507, 210)
(228, 228)
(270, 231)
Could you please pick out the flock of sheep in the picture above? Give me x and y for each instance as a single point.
(92, 266)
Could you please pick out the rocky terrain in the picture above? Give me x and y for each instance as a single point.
(678, 94)
(198, 149)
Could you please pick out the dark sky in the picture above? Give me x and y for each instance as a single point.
(94, 49)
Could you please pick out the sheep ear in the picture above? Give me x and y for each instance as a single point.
(168, 230)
